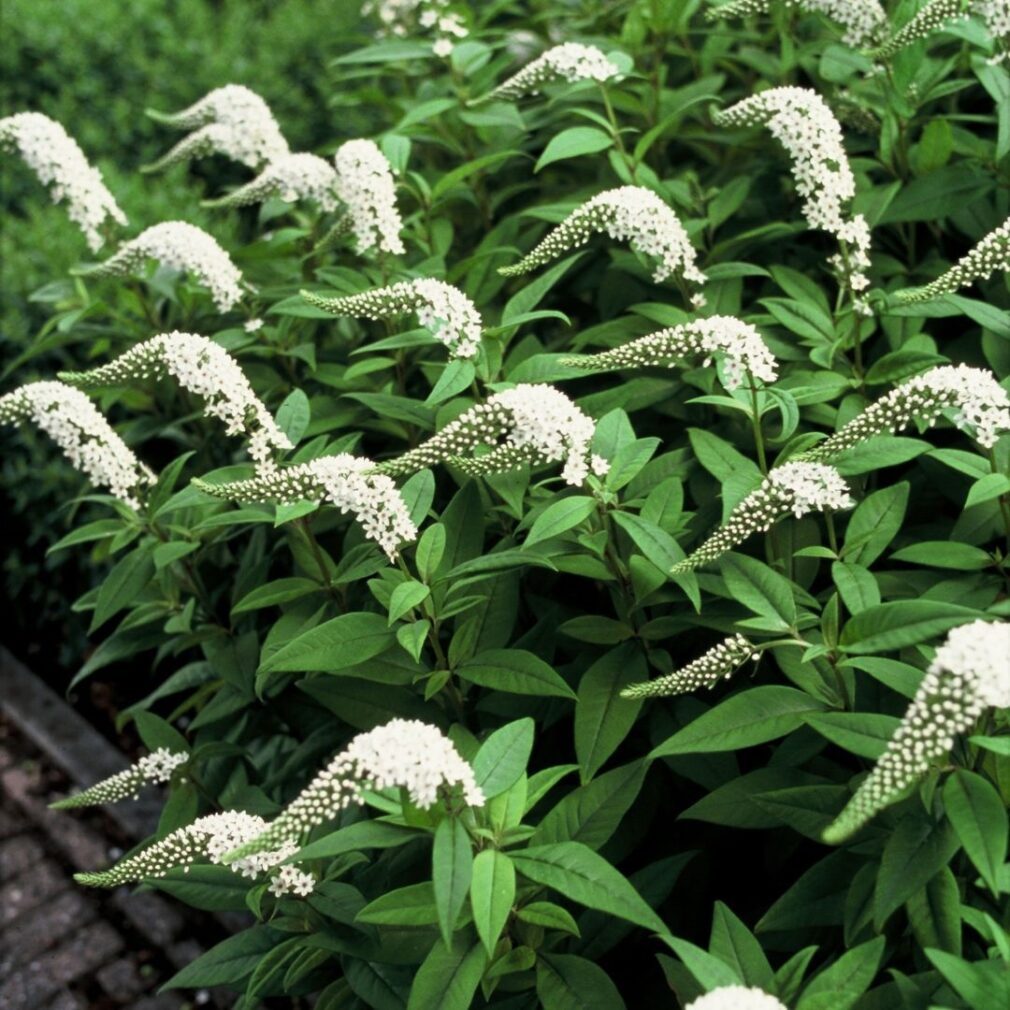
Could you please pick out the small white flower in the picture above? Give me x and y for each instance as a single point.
(253, 325)
(706, 671)
(736, 997)
(291, 880)
(399, 18)
(569, 62)
(292, 177)
(996, 15)
(364, 182)
(154, 768)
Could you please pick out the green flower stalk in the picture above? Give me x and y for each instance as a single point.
(157, 767)
(864, 21)
(707, 670)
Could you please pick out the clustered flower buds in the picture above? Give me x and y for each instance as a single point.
(798, 487)
(75, 424)
(347, 482)
(527, 424)
(154, 768)
(927, 20)
(178, 246)
(203, 368)
(736, 997)
(864, 21)
(990, 255)
(364, 182)
(233, 121)
(403, 753)
(980, 405)
(292, 177)
(449, 314)
(397, 18)
(706, 671)
(802, 122)
(630, 214)
(55, 157)
(737, 344)
(569, 62)
(969, 674)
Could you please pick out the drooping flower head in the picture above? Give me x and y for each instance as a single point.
(233, 121)
(347, 482)
(736, 997)
(571, 62)
(928, 19)
(203, 368)
(403, 753)
(980, 406)
(75, 424)
(990, 255)
(292, 177)
(737, 344)
(969, 673)
(812, 137)
(365, 185)
(630, 214)
(183, 247)
(449, 314)
(55, 157)
(529, 424)
(154, 768)
(706, 671)
(798, 487)
(401, 18)
(864, 21)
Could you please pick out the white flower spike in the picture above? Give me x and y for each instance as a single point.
(970, 673)
(864, 21)
(736, 997)
(75, 424)
(441, 308)
(55, 157)
(292, 177)
(707, 670)
(183, 247)
(569, 62)
(798, 487)
(528, 424)
(347, 482)
(927, 20)
(737, 344)
(365, 185)
(156, 767)
(205, 369)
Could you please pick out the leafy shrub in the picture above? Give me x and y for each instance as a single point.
(629, 515)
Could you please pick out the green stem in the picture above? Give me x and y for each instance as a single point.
(759, 439)
(618, 139)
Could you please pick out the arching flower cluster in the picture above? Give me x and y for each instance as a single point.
(403, 753)
(798, 487)
(737, 344)
(864, 21)
(398, 18)
(706, 671)
(156, 767)
(969, 674)
(88, 441)
(178, 246)
(569, 62)
(630, 214)
(441, 308)
(347, 482)
(292, 177)
(992, 254)
(233, 121)
(364, 183)
(736, 997)
(802, 122)
(528, 424)
(203, 368)
(980, 406)
(59, 163)
(930, 18)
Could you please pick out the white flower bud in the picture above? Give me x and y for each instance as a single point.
(569, 62)
(706, 671)
(156, 767)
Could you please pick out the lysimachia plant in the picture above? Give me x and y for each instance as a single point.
(558, 555)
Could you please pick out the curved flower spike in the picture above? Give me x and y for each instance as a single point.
(75, 424)
(403, 753)
(927, 20)
(178, 246)
(526, 424)
(156, 767)
(58, 161)
(569, 62)
(292, 177)
(204, 369)
(706, 671)
(736, 997)
(449, 314)
(345, 481)
(864, 21)
(806, 127)
(980, 403)
(737, 343)
(233, 121)
(365, 185)
(969, 674)
(794, 487)
(990, 255)
(630, 214)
